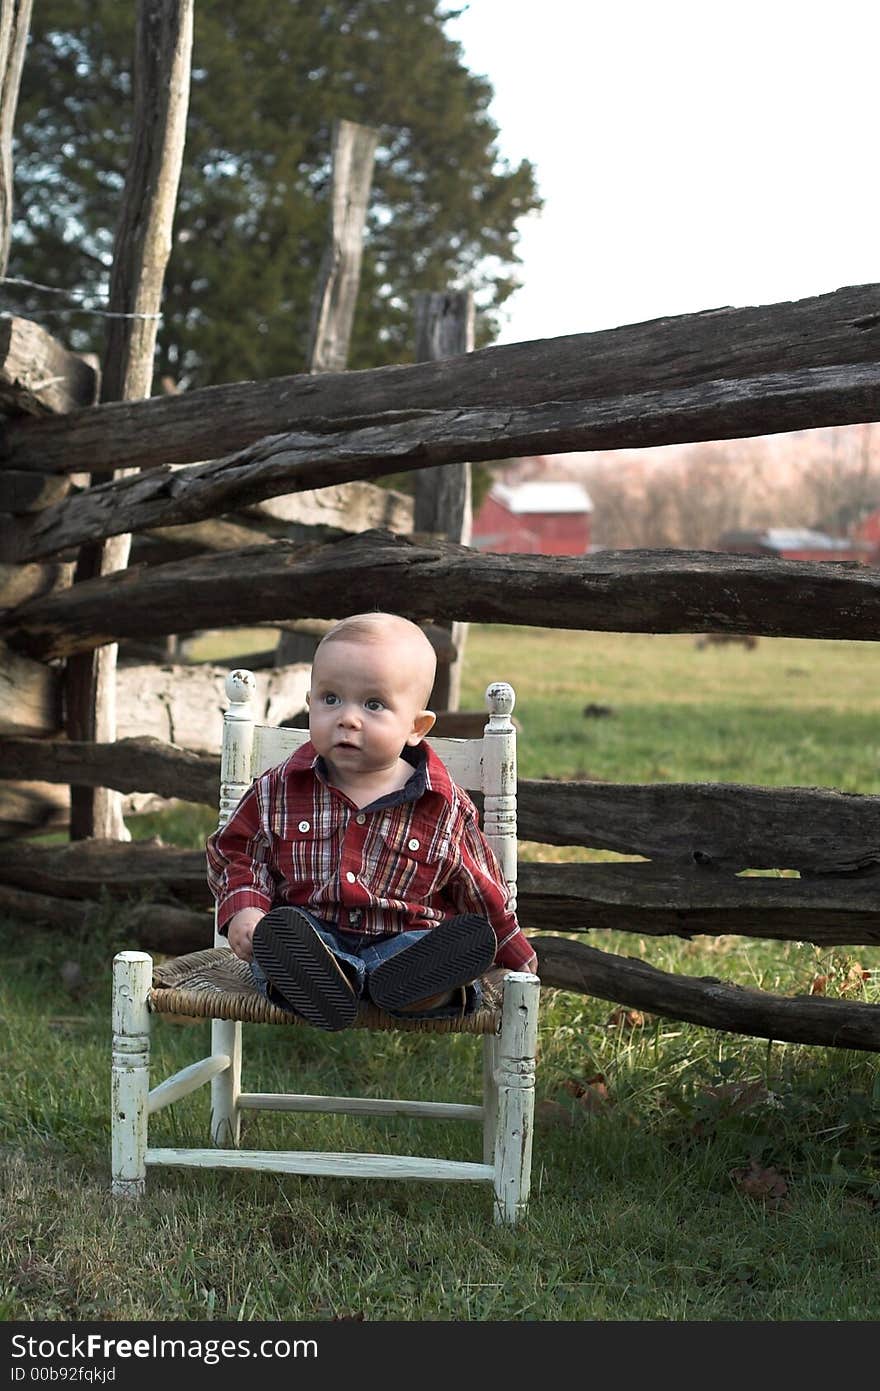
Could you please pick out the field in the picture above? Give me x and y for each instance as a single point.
(679, 1173)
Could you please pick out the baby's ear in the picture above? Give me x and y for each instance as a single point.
(422, 724)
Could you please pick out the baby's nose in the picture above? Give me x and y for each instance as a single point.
(349, 715)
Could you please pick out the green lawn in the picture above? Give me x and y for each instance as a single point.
(678, 1173)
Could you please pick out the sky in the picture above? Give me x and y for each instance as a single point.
(690, 153)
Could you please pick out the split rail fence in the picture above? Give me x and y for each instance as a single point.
(322, 439)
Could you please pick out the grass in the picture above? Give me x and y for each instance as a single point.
(679, 1173)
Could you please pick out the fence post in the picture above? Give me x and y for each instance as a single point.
(445, 328)
(336, 289)
(354, 149)
(141, 251)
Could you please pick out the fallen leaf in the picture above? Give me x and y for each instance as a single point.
(623, 1018)
(577, 1087)
(758, 1182)
(738, 1096)
(819, 985)
(856, 977)
(591, 1093)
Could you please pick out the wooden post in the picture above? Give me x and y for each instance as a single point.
(516, 1095)
(354, 149)
(15, 18)
(235, 779)
(141, 251)
(130, 1078)
(445, 328)
(499, 770)
(333, 306)
(490, 1097)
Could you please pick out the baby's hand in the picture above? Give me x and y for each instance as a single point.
(240, 932)
(495, 975)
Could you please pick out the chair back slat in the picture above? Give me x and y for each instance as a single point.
(463, 757)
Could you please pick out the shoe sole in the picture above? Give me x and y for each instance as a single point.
(453, 954)
(302, 969)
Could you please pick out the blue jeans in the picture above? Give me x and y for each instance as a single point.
(360, 956)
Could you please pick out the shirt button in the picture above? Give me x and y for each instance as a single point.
(360, 820)
(304, 826)
(350, 877)
(413, 844)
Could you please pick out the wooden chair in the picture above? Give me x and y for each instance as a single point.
(215, 984)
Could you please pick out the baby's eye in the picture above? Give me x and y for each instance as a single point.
(330, 698)
(374, 704)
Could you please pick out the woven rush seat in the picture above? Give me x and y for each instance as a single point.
(215, 984)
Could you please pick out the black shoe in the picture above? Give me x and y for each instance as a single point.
(455, 953)
(303, 970)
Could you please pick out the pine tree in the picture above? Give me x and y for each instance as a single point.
(268, 80)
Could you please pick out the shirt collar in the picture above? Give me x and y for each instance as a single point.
(429, 774)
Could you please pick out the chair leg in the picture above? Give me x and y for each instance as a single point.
(130, 1079)
(226, 1086)
(516, 1095)
(490, 1096)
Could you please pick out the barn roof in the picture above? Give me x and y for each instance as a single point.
(783, 538)
(542, 497)
(787, 538)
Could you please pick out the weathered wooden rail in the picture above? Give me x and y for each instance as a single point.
(645, 899)
(715, 827)
(670, 354)
(611, 591)
(716, 409)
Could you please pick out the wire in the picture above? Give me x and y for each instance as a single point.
(72, 294)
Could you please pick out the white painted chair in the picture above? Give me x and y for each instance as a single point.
(215, 984)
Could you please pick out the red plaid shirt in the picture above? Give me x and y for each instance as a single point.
(409, 860)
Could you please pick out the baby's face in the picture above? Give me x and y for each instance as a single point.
(364, 705)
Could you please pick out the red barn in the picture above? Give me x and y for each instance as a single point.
(868, 531)
(536, 518)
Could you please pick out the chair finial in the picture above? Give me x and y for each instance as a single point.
(241, 686)
(500, 700)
